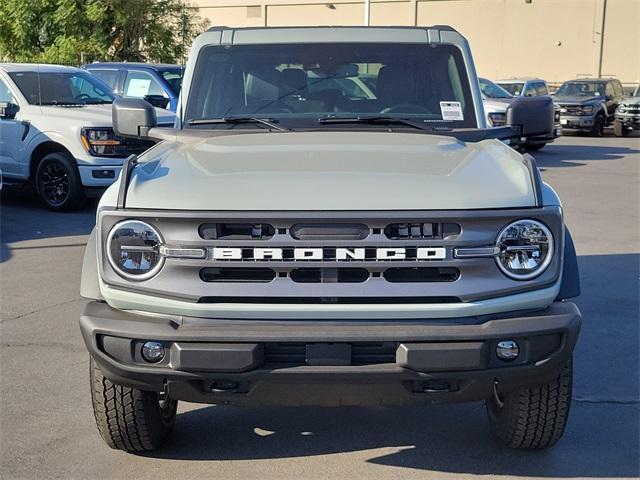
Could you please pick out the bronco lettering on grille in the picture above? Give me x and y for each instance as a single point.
(338, 254)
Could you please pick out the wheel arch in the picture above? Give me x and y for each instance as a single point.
(40, 151)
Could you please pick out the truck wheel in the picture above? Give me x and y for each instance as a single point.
(535, 147)
(620, 130)
(532, 418)
(598, 127)
(130, 419)
(58, 182)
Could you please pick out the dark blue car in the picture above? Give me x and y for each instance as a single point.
(157, 83)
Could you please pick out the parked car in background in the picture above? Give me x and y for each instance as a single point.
(588, 105)
(494, 92)
(524, 87)
(627, 116)
(159, 84)
(496, 101)
(56, 132)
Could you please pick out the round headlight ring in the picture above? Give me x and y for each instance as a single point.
(150, 251)
(501, 243)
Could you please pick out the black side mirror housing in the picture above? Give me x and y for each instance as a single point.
(159, 101)
(8, 110)
(133, 117)
(532, 115)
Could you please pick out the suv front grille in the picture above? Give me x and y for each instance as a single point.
(358, 257)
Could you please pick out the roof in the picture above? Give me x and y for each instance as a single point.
(591, 79)
(218, 28)
(123, 65)
(37, 67)
(521, 79)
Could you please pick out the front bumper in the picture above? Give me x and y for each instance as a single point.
(582, 123)
(224, 361)
(99, 176)
(628, 120)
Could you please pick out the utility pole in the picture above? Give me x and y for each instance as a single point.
(367, 13)
(604, 17)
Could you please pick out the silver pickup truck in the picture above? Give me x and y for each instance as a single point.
(330, 223)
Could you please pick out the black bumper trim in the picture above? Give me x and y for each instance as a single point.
(402, 382)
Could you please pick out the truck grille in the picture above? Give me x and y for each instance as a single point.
(570, 110)
(356, 257)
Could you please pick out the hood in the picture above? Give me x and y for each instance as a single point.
(316, 171)
(494, 106)
(630, 101)
(575, 100)
(96, 115)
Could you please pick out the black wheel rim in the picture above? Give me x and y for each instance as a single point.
(54, 183)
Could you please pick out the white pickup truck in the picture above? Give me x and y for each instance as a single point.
(55, 132)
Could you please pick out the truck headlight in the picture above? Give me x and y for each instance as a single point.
(622, 109)
(101, 142)
(526, 249)
(497, 119)
(133, 250)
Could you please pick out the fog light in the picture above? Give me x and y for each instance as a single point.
(153, 351)
(507, 350)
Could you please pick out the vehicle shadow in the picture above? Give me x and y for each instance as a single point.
(573, 155)
(23, 217)
(602, 437)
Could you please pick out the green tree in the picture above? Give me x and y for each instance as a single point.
(80, 31)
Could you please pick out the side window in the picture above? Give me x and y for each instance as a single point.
(110, 77)
(5, 93)
(609, 90)
(139, 84)
(541, 89)
(530, 91)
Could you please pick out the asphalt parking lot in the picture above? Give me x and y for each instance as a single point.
(46, 423)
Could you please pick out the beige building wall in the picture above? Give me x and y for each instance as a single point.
(552, 39)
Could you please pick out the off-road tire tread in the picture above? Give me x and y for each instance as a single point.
(535, 418)
(122, 415)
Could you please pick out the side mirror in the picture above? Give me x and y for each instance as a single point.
(159, 101)
(133, 117)
(8, 110)
(532, 115)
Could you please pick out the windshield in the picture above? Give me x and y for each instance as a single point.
(62, 88)
(636, 92)
(581, 89)
(514, 88)
(297, 84)
(174, 79)
(491, 90)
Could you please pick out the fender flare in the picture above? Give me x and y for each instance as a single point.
(89, 280)
(570, 282)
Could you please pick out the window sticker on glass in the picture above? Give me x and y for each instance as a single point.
(138, 87)
(451, 111)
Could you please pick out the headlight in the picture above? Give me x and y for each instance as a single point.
(622, 108)
(102, 142)
(497, 119)
(526, 249)
(133, 250)
(586, 110)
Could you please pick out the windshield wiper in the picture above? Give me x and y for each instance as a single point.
(235, 120)
(375, 120)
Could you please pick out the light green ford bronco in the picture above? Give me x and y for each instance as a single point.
(330, 223)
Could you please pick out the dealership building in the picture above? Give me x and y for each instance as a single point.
(552, 39)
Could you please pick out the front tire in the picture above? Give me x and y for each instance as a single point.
(620, 130)
(130, 419)
(58, 182)
(534, 147)
(532, 418)
(597, 130)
